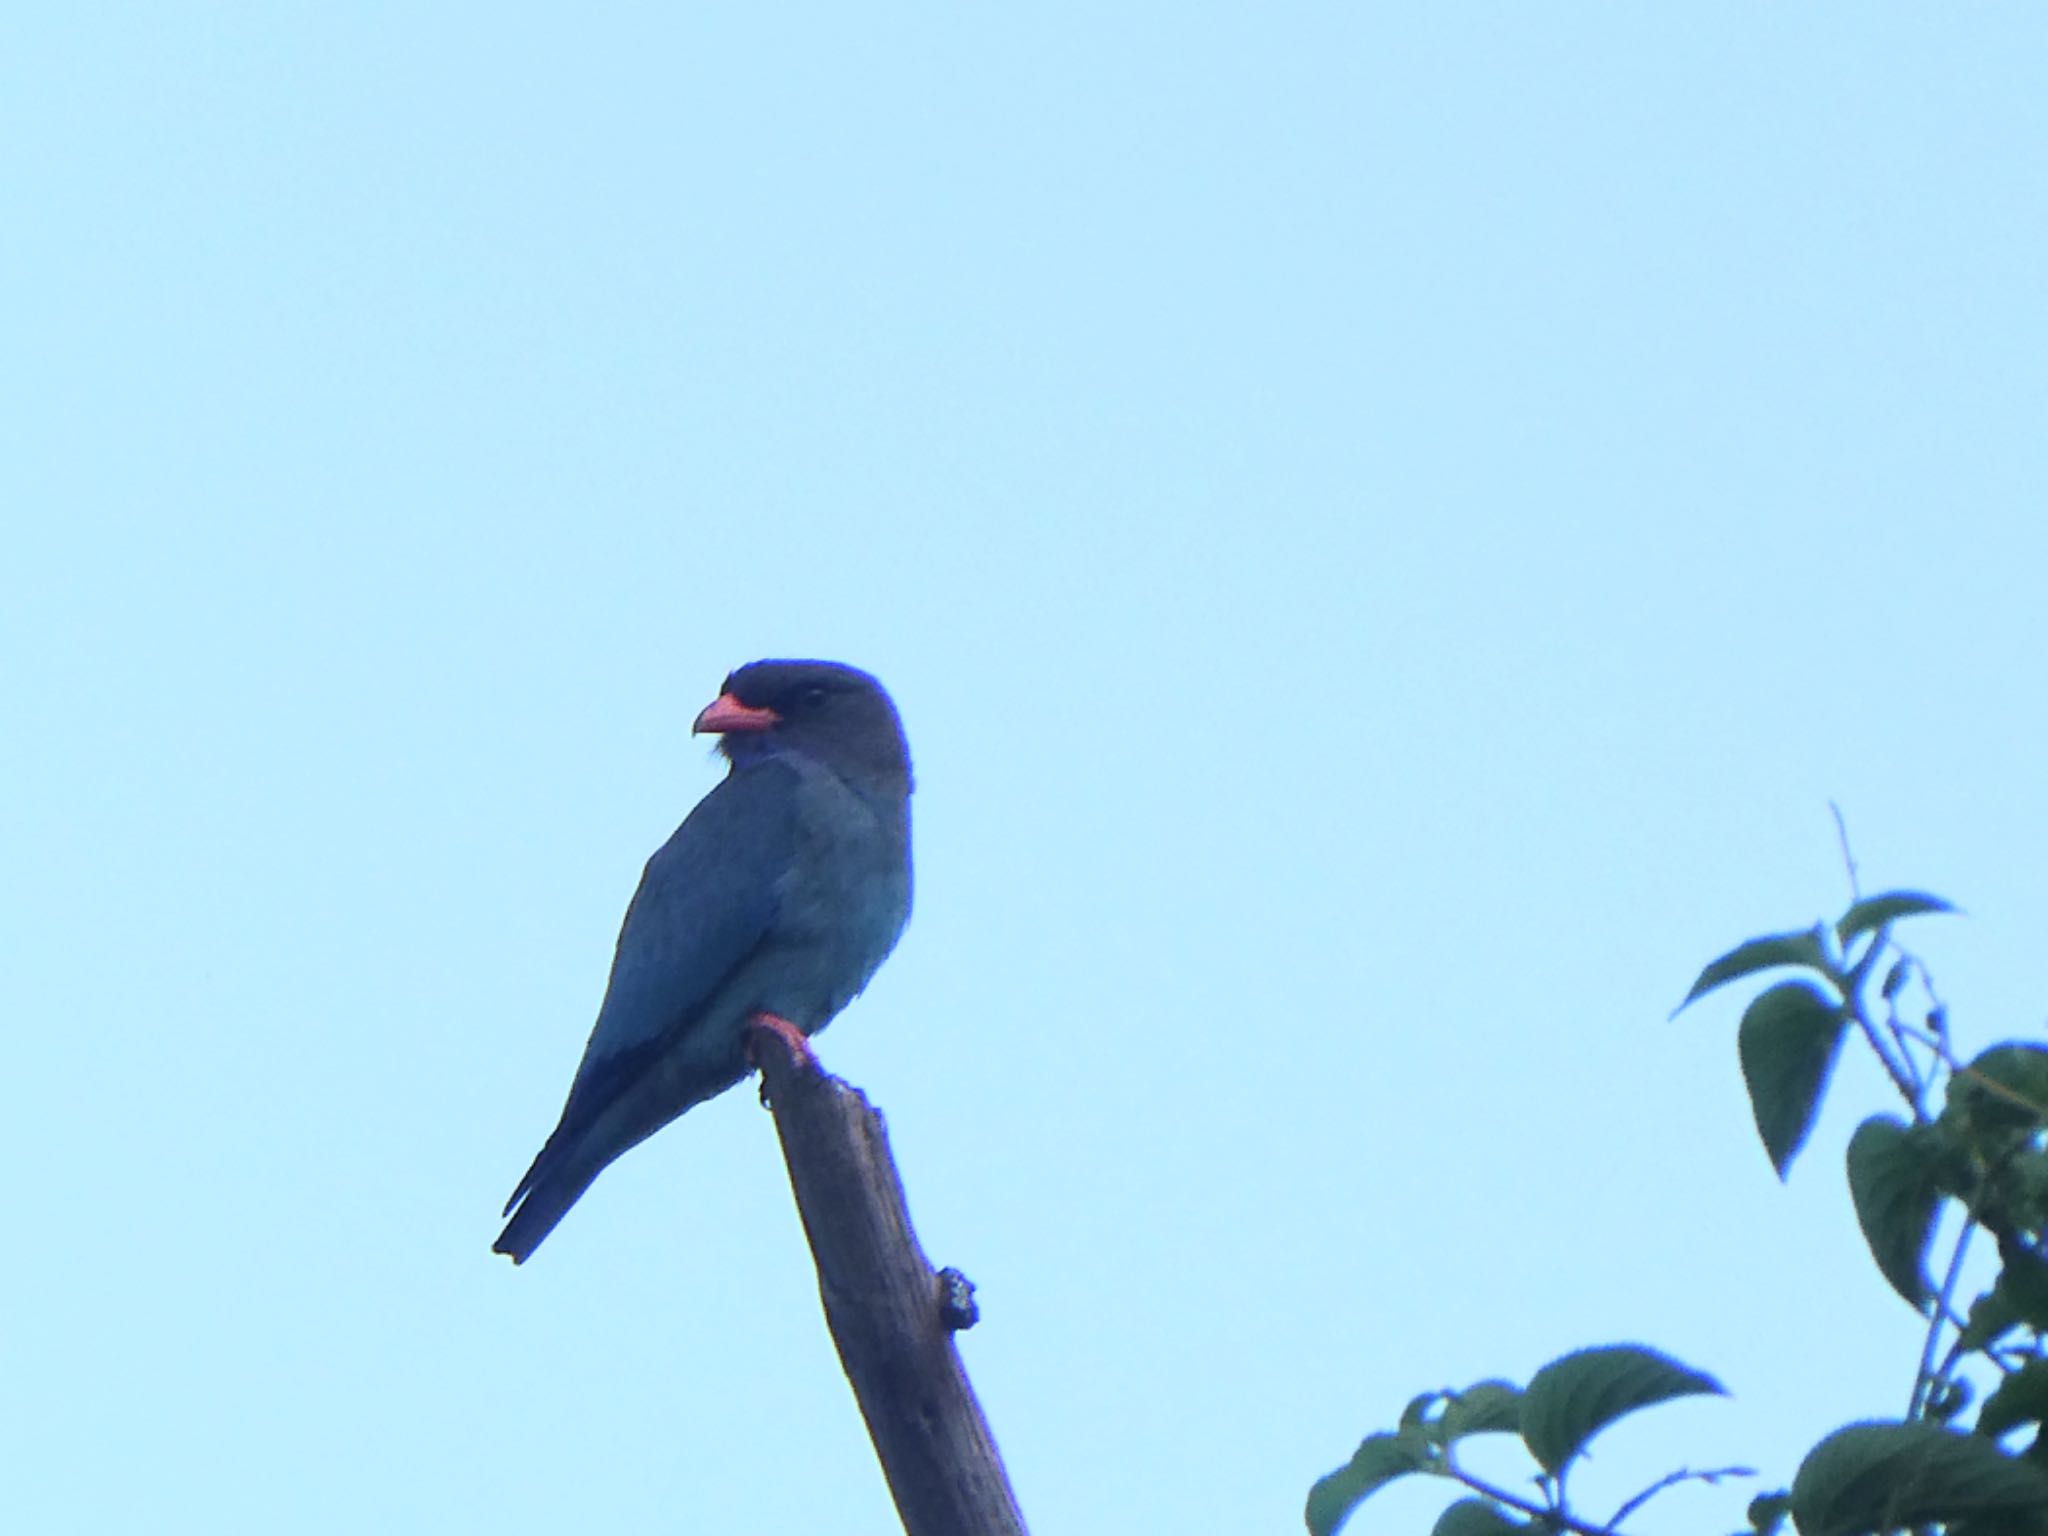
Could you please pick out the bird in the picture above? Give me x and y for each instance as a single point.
(778, 898)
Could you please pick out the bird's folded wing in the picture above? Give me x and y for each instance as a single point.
(707, 899)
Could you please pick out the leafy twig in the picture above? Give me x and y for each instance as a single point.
(1553, 1516)
(1899, 1069)
(1672, 1479)
(1982, 1081)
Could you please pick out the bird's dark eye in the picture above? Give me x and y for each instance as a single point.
(813, 696)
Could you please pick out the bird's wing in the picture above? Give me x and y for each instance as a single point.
(708, 896)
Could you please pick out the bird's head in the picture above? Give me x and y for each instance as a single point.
(836, 714)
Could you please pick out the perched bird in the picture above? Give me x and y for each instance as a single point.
(780, 894)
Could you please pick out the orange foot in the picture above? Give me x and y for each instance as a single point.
(789, 1035)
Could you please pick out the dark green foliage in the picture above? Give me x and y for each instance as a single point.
(1893, 1179)
(1875, 912)
(1490, 1407)
(1567, 1402)
(1571, 1400)
(1476, 1517)
(1985, 1149)
(1991, 1317)
(2024, 1284)
(1880, 1477)
(1430, 1428)
(2022, 1398)
(1377, 1462)
(1788, 1042)
(1768, 953)
(1767, 1512)
(2006, 1088)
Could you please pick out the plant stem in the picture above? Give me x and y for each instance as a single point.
(1551, 1515)
(1848, 858)
(1672, 1479)
(1852, 983)
(1941, 1312)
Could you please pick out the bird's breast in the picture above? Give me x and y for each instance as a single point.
(843, 902)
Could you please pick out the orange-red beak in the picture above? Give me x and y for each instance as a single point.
(726, 713)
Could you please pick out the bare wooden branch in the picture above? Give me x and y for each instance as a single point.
(888, 1312)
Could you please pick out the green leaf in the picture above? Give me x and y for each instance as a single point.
(1572, 1399)
(1992, 1315)
(1893, 1180)
(1878, 1477)
(1415, 1416)
(2022, 1398)
(1488, 1407)
(2024, 1283)
(1757, 955)
(2025, 1187)
(2005, 1088)
(2037, 1453)
(1873, 912)
(1379, 1461)
(1788, 1042)
(1767, 1511)
(2019, 1295)
(1476, 1517)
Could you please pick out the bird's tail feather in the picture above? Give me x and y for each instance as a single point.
(543, 1200)
(588, 1140)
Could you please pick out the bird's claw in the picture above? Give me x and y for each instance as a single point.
(791, 1037)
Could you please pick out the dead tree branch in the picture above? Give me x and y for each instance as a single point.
(890, 1315)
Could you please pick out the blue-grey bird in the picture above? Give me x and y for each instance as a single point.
(780, 894)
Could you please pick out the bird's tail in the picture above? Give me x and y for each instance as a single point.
(538, 1215)
(588, 1140)
(542, 1200)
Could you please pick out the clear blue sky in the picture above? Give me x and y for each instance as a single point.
(1387, 527)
